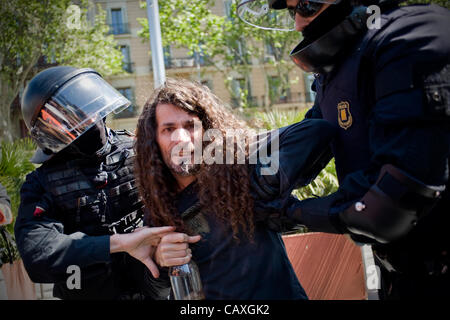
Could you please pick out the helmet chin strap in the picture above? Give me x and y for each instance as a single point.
(93, 143)
(326, 20)
(319, 54)
(329, 37)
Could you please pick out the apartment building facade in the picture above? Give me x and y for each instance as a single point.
(137, 82)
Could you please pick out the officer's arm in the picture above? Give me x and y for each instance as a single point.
(45, 250)
(409, 139)
(296, 154)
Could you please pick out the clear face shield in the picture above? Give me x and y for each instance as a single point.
(74, 109)
(257, 13)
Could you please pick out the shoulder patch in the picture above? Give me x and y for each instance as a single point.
(344, 116)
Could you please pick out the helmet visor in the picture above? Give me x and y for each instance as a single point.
(257, 13)
(75, 108)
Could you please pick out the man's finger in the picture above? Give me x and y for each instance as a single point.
(179, 237)
(154, 234)
(176, 254)
(168, 246)
(161, 230)
(176, 261)
(152, 267)
(194, 239)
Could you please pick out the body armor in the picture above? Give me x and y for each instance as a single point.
(99, 196)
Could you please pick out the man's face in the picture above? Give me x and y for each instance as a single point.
(300, 22)
(176, 134)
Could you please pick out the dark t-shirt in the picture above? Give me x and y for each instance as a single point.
(245, 270)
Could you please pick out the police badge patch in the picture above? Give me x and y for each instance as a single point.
(344, 116)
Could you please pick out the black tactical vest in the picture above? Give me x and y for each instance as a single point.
(96, 196)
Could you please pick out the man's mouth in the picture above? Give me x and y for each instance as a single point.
(183, 158)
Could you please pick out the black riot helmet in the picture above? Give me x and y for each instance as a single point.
(62, 103)
(327, 38)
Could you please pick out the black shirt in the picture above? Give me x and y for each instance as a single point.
(246, 270)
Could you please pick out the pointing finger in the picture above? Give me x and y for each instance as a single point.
(152, 267)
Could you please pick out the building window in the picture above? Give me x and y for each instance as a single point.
(277, 94)
(199, 58)
(127, 65)
(310, 95)
(131, 111)
(228, 8)
(118, 24)
(269, 52)
(167, 51)
(238, 86)
(238, 50)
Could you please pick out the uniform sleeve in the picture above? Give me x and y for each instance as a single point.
(297, 154)
(44, 248)
(406, 127)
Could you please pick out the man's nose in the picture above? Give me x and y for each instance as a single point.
(181, 135)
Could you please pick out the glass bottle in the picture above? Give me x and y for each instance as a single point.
(186, 282)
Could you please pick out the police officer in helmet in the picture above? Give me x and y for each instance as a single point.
(79, 224)
(386, 88)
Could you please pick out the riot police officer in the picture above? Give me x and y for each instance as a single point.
(386, 89)
(79, 209)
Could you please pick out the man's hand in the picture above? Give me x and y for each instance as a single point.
(140, 244)
(173, 250)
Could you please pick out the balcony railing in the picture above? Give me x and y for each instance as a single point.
(187, 62)
(182, 62)
(119, 28)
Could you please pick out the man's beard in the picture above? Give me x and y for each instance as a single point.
(185, 167)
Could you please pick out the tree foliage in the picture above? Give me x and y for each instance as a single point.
(56, 29)
(443, 3)
(14, 166)
(226, 43)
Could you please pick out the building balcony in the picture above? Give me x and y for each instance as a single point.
(119, 28)
(186, 62)
(181, 63)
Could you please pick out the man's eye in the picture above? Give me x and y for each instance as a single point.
(168, 129)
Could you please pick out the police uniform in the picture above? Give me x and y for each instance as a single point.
(386, 89)
(69, 208)
(389, 98)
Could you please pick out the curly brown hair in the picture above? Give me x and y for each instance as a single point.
(222, 188)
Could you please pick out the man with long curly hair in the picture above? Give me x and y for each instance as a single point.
(238, 257)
